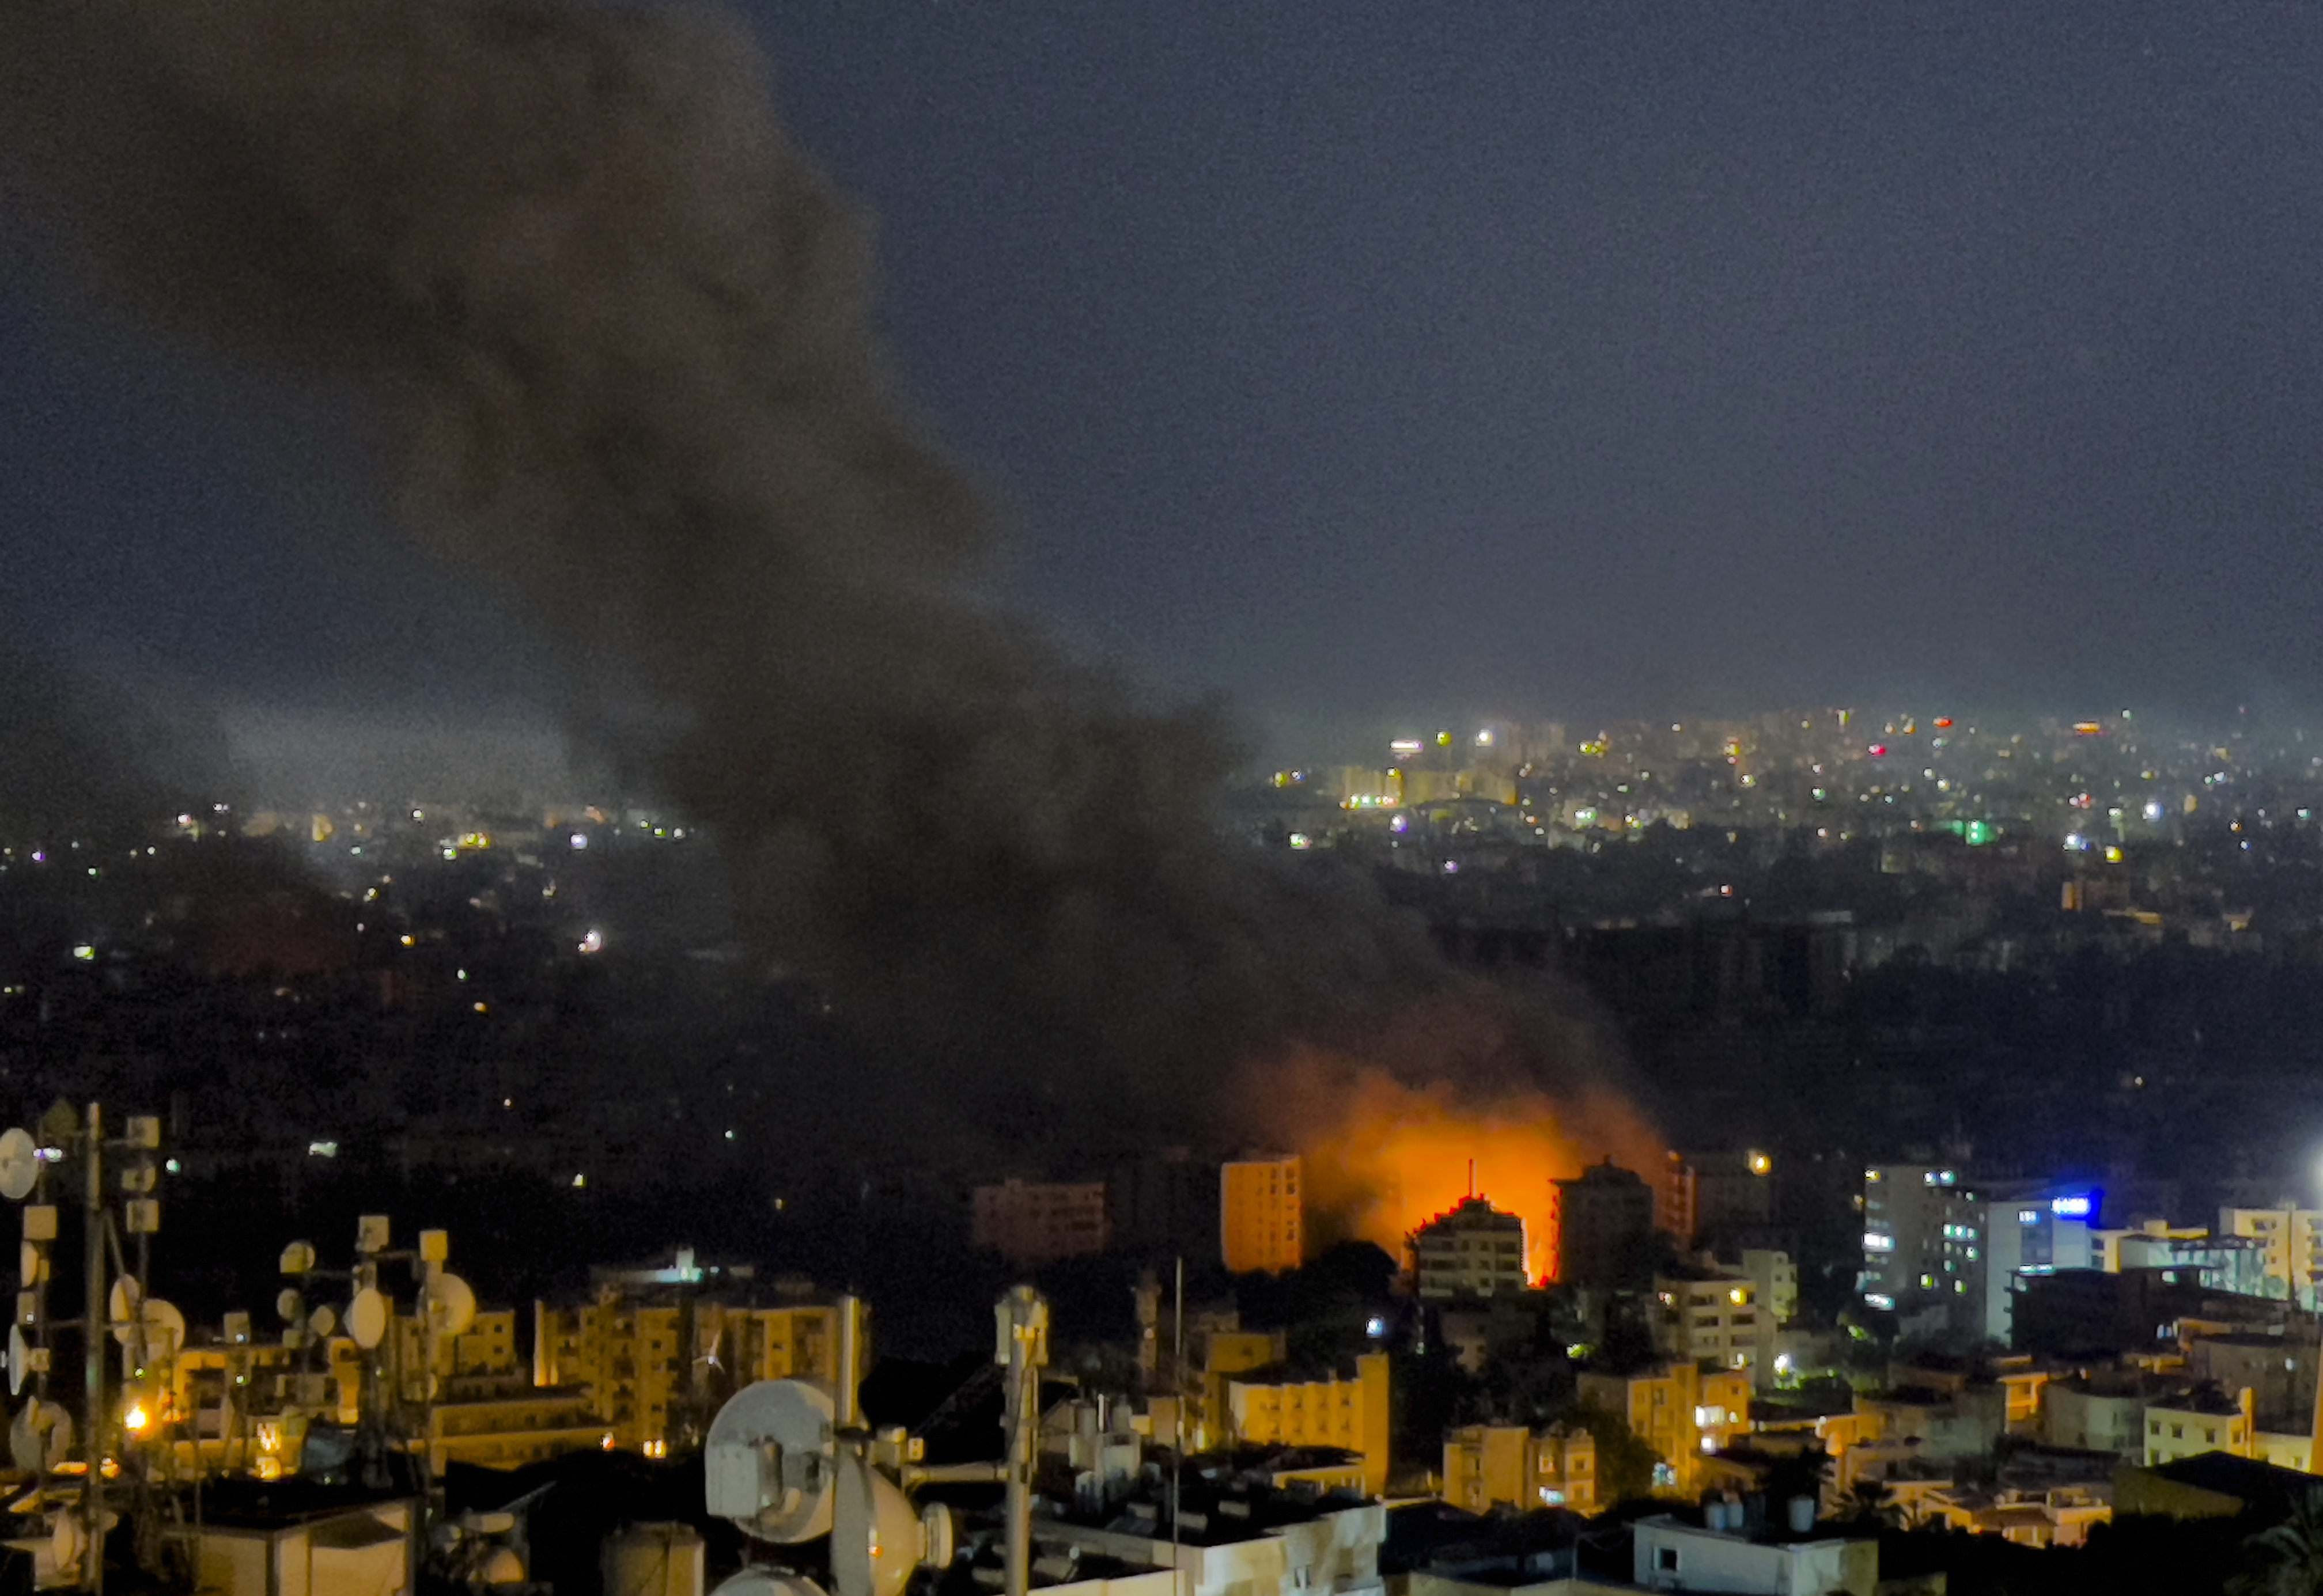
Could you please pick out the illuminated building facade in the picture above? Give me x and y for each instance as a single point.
(1338, 1410)
(1031, 1222)
(2291, 1242)
(1712, 1316)
(642, 1364)
(1923, 1247)
(1261, 1214)
(1492, 1465)
(1473, 1250)
(1680, 1410)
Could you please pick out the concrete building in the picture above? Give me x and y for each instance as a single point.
(1344, 1410)
(2102, 1411)
(1032, 1223)
(1925, 1250)
(1508, 1466)
(654, 1371)
(1603, 1220)
(1680, 1410)
(2292, 1242)
(1709, 1314)
(1775, 1282)
(1472, 1251)
(2198, 1421)
(1261, 1215)
(1670, 1553)
(1235, 1541)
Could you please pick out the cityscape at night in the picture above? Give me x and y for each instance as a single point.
(807, 801)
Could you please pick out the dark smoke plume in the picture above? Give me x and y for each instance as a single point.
(620, 328)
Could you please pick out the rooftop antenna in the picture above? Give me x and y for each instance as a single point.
(43, 1432)
(786, 1460)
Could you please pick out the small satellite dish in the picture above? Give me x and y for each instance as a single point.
(876, 1540)
(41, 1437)
(769, 1460)
(32, 1264)
(450, 1303)
(290, 1306)
(367, 1317)
(20, 1359)
(20, 1163)
(119, 1304)
(297, 1258)
(323, 1320)
(64, 1541)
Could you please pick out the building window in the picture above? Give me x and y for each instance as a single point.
(1666, 1559)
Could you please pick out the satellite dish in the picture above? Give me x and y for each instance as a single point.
(119, 1304)
(765, 1581)
(164, 1326)
(876, 1540)
(367, 1317)
(297, 1258)
(769, 1458)
(20, 1163)
(20, 1359)
(449, 1303)
(290, 1306)
(41, 1437)
(64, 1541)
(32, 1264)
(323, 1320)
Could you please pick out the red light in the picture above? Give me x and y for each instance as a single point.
(1942, 721)
(1878, 751)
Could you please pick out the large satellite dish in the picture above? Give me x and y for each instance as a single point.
(20, 1163)
(450, 1303)
(766, 1582)
(20, 1359)
(367, 1317)
(769, 1459)
(876, 1540)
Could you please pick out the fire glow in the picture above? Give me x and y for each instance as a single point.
(1395, 1156)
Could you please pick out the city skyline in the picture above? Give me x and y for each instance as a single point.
(1645, 365)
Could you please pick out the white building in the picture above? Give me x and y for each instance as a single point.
(1671, 1554)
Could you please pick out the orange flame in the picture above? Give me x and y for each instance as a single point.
(1383, 1158)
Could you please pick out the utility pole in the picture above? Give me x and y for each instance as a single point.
(1024, 1323)
(93, 1330)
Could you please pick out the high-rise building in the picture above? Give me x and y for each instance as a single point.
(1604, 1220)
(1473, 1249)
(1030, 1223)
(1261, 1214)
(1923, 1246)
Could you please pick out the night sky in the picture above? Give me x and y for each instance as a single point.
(1365, 361)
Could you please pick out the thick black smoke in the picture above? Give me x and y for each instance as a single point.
(620, 328)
